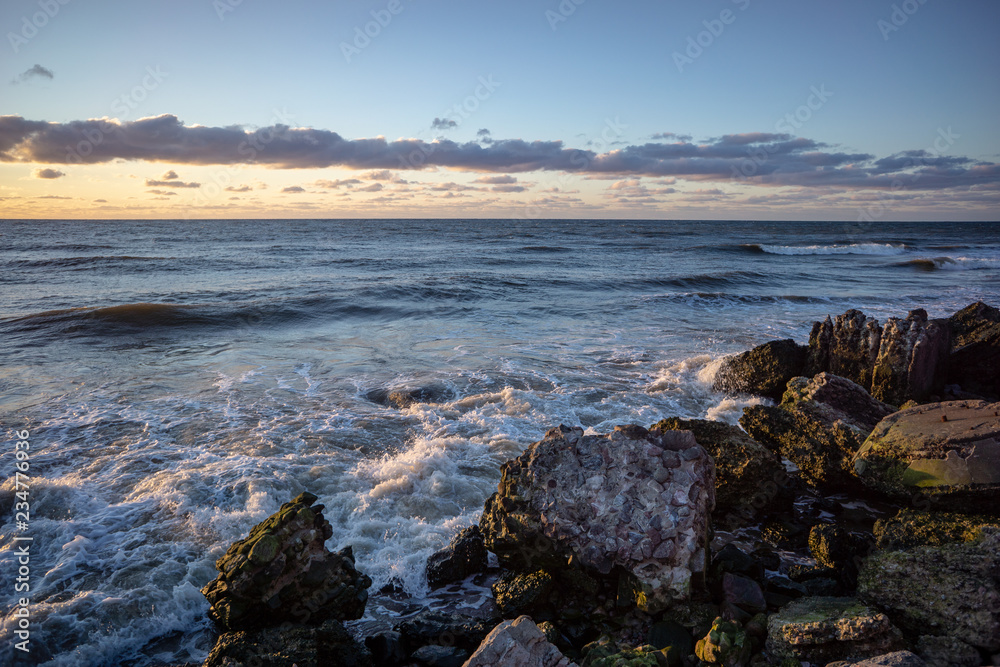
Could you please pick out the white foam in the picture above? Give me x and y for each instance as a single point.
(848, 249)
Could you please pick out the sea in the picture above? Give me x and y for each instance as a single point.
(179, 380)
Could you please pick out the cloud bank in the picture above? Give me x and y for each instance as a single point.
(757, 158)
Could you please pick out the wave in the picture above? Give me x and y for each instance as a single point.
(951, 263)
(883, 249)
(717, 298)
(86, 262)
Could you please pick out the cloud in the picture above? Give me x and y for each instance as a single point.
(385, 175)
(374, 187)
(670, 135)
(242, 188)
(496, 180)
(333, 185)
(49, 173)
(170, 180)
(508, 188)
(34, 72)
(293, 189)
(100, 201)
(161, 192)
(443, 124)
(754, 158)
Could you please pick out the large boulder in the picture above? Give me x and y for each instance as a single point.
(517, 643)
(763, 370)
(749, 478)
(632, 499)
(465, 555)
(911, 358)
(949, 590)
(974, 358)
(947, 453)
(291, 646)
(827, 629)
(282, 572)
(846, 346)
(819, 426)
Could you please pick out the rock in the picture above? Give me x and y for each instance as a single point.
(433, 655)
(764, 370)
(911, 358)
(518, 592)
(780, 590)
(282, 572)
(642, 656)
(951, 590)
(847, 347)
(974, 358)
(386, 647)
(465, 555)
(445, 628)
(671, 634)
(894, 659)
(517, 643)
(405, 396)
(743, 592)
(749, 478)
(947, 652)
(631, 499)
(912, 528)
(731, 558)
(840, 549)
(830, 398)
(947, 453)
(725, 644)
(301, 646)
(827, 629)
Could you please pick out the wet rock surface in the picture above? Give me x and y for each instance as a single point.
(290, 646)
(282, 572)
(764, 370)
(631, 499)
(974, 357)
(465, 555)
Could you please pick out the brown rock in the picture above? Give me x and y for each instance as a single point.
(911, 358)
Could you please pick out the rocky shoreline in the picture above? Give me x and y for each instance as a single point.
(855, 521)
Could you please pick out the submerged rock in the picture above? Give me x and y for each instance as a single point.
(291, 646)
(282, 572)
(974, 358)
(749, 478)
(517, 643)
(951, 590)
(948, 453)
(404, 396)
(465, 555)
(912, 528)
(826, 629)
(764, 370)
(632, 499)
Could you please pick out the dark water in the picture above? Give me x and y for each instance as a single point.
(181, 380)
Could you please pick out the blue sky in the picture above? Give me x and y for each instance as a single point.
(867, 80)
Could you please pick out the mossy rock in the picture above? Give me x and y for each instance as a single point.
(517, 593)
(725, 644)
(913, 528)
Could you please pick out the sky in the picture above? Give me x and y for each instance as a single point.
(700, 109)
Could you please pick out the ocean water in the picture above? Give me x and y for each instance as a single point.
(182, 379)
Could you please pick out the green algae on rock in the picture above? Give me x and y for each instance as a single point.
(282, 572)
(913, 528)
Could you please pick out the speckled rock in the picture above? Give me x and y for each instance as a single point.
(518, 592)
(950, 590)
(633, 499)
(826, 629)
(282, 572)
(830, 398)
(764, 370)
(912, 528)
(948, 453)
(726, 644)
(465, 555)
(947, 652)
(293, 646)
(749, 478)
(517, 643)
(894, 659)
(974, 358)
